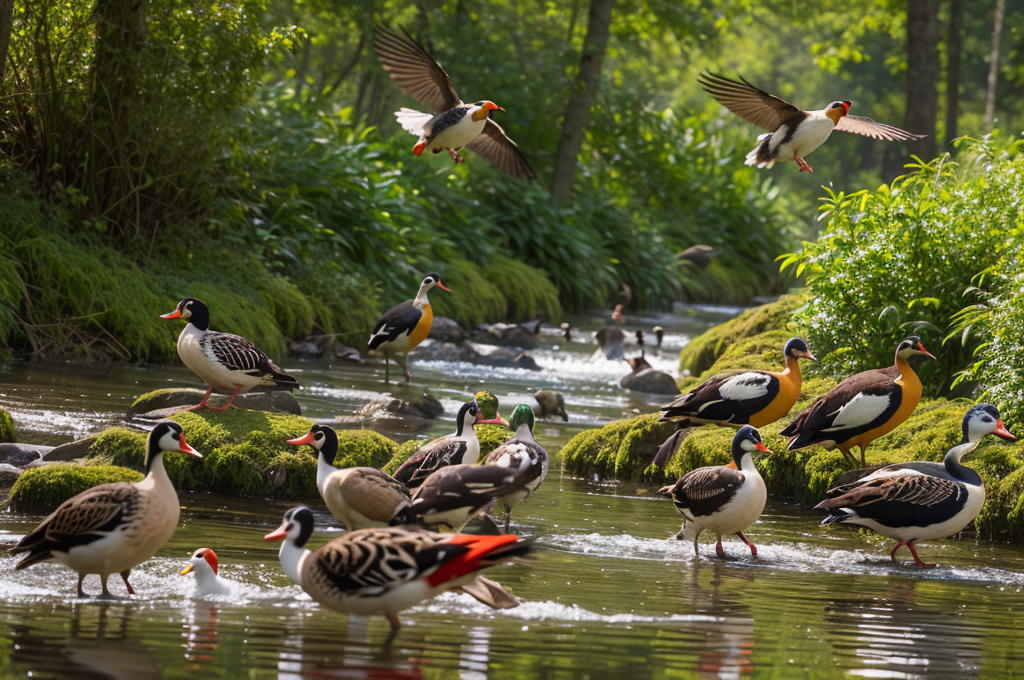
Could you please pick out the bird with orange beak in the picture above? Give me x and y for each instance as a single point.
(792, 132)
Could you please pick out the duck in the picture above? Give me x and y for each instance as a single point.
(452, 124)
(111, 528)
(720, 498)
(387, 570)
(792, 132)
(358, 497)
(405, 326)
(863, 407)
(488, 404)
(523, 455)
(921, 500)
(452, 495)
(203, 564)
(659, 334)
(755, 398)
(453, 449)
(224, 360)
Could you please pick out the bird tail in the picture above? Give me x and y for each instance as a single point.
(412, 120)
(760, 155)
(32, 558)
(280, 379)
(838, 515)
(482, 552)
(668, 449)
(492, 594)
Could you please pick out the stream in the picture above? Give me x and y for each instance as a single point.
(605, 594)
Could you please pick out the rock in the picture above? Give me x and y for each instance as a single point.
(549, 404)
(7, 431)
(43, 489)
(305, 348)
(434, 350)
(650, 380)
(502, 357)
(506, 335)
(161, 403)
(20, 455)
(444, 329)
(8, 474)
(410, 403)
(343, 353)
(72, 450)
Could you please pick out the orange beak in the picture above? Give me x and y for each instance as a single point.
(187, 570)
(808, 355)
(278, 534)
(444, 287)
(761, 447)
(176, 314)
(185, 448)
(304, 439)
(1001, 431)
(926, 352)
(491, 106)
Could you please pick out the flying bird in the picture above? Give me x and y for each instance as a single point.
(792, 132)
(452, 124)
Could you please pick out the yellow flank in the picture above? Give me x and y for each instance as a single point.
(911, 396)
(419, 334)
(790, 381)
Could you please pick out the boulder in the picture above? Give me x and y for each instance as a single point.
(162, 403)
(444, 329)
(651, 381)
(8, 474)
(506, 335)
(435, 350)
(344, 353)
(549, 404)
(306, 348)
(20, 455)
(502, 357)
(418, 404)
(79, 448)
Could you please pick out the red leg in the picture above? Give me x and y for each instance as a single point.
(455, 155)
(395, 623)
(124, 575)
(895, 548)
(202, 404)
(920, 563)
(719, 550)
(753, 548)
(803, 164)
(226, 406)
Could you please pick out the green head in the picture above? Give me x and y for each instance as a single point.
(488, 405)
(522, 415)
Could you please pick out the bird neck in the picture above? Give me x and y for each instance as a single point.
(205, 578)
(421, 300)
(200, 317)
(792, 369)
(292, 557)
(155, 465)
(472, 454)
(324, 469)
(906, 370)
(524, 433)
(744, 461)
(954, 455)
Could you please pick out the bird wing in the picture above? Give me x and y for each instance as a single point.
(82, 519)
(855, 405)
(705, 490)
(494, 145)
(414, 70)
(726, 398)
(898, 496)
(748, 102)
(397, 320)
(237, 354)
(463, 486)
(380, 495)
(433, 456)
(859, 125)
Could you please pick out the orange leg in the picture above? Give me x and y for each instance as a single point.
(913, 551)
(753, 548)
(226, 406)
(202, 404)
(124, 575)
(803, 164)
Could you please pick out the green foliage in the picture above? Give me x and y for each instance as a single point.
(528, 291)
(42, 489)
(7, 431)
(621, 449)
(900, 260)
(474, 299)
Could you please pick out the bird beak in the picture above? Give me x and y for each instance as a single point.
(808, 355)
(187, 570)
(926, 352)
(444, 287)
(761, 447)
(176, 314)
(1001, 431)
(278, 534)
(185, 448)
(491, 106)
(307, 438)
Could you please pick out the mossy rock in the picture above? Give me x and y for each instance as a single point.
(704, 350)
(490, 436)
(43, 489)
(7, 432)
(621, 449)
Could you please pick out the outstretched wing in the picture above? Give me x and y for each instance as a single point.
(414, 70)
(752, 104)
(859, 125)
(494, 145)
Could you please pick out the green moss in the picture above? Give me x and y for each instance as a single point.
(621, 449)
(42, 489)
(7, 431)
(528, 291)
(473, 300)
(293, 475)
(704, 350)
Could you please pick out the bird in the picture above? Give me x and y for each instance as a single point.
(792, 132)
(720, 498)
(919, 501)
(111, 528)
(659, 333)
(566, 331)
(452, 123)
(748, 398)
(523, 455)
(203, 564)
(385, 571)
(452, 495)
(453, 449)
(224, 360)
(358, 497)
(863, 407)
(488, 405)
(405, 326)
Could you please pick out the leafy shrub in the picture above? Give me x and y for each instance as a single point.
(528, 291)
(900, 259)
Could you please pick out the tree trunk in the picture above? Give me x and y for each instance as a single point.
(922, 75)
(577, 110)
(993, 65)
(6, 21)
(953, 42)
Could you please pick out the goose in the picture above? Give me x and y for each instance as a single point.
(921, 500)
(111, 528)
(405, 326)
(203, 564)
(385, 571)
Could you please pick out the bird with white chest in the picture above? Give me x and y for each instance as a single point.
(204, 565)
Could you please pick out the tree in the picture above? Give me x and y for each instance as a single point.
(954, 39)
(993, 65)
(6, 21)
(577, 110)
(922, 75)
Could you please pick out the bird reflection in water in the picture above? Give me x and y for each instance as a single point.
(728, 639)
(201, 633)
(892, 635)
(98, 647)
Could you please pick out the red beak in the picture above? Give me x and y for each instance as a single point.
(1001, 431)
(808, 355)
(277, 534)
(176, 314)
(304, 439)
(185, 448)
(926, 352)
(762, 447)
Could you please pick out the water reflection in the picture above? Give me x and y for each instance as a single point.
(728, 646)
(98, 647)
(201, 633)
(890, 636)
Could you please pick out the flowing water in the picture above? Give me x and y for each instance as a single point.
(605, 595)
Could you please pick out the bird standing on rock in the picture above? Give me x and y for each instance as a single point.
(453, 124)
(405, 326)
(792, 132)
